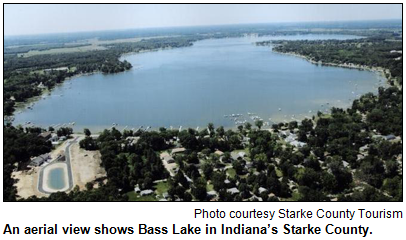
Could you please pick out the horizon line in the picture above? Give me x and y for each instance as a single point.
(203, 25)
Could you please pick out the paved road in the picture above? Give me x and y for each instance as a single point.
(69, 168)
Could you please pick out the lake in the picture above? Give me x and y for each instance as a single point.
(196, 85)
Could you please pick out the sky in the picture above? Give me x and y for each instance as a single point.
(25, 19)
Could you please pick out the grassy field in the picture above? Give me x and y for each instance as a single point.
(95, 45)
(161, 187)
(63, 50)
(278, 172)
(231, 172)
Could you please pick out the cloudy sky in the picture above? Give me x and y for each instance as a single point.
(55, 18)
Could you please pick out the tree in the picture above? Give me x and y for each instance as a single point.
(259, 123)
(247, 126)
(199, 189)
(217, 179)
(64, 131)
(210, 128)
(207, 169)
(240, 128)
(88, 143)
(87, 132)
(220, 131)
(310, 195)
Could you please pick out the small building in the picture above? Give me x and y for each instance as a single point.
(297, 144)
(132, 140)
(178, 150)
(233, 190)
(188, 179)
(41, 86)
(291, 138)
(54, 137)
(261, 190)
(38, 161)
(238, 156)
(390, 137)
(168, 159)
(146, 192)
(245, 141)
(211, 194)
(364, 149)
(218, 152)
(46, 135)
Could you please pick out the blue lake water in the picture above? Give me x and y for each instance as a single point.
(196, 85)
(56, 178)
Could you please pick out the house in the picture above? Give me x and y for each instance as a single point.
(132, 140)
(218, 152)
(146, 192)
(137, 189)
(168, 159)
(236, 156)
(255, 198)
(54, 137)
(38, 161)
(41, 86)
(245, 141)
(363, 149)
(389, 137)
(46, 135)
(211, 194)
(177, 151)
(261, 190)
(233, 190)
(291, 138)
(188, 179)
(297, 144)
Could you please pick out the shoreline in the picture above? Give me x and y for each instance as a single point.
(377, 70)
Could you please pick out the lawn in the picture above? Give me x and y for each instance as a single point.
(161, 187)
(62, 50)
(231, 172)
(135, 197)
(278, 172)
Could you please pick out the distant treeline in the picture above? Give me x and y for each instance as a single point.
(39, 47)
